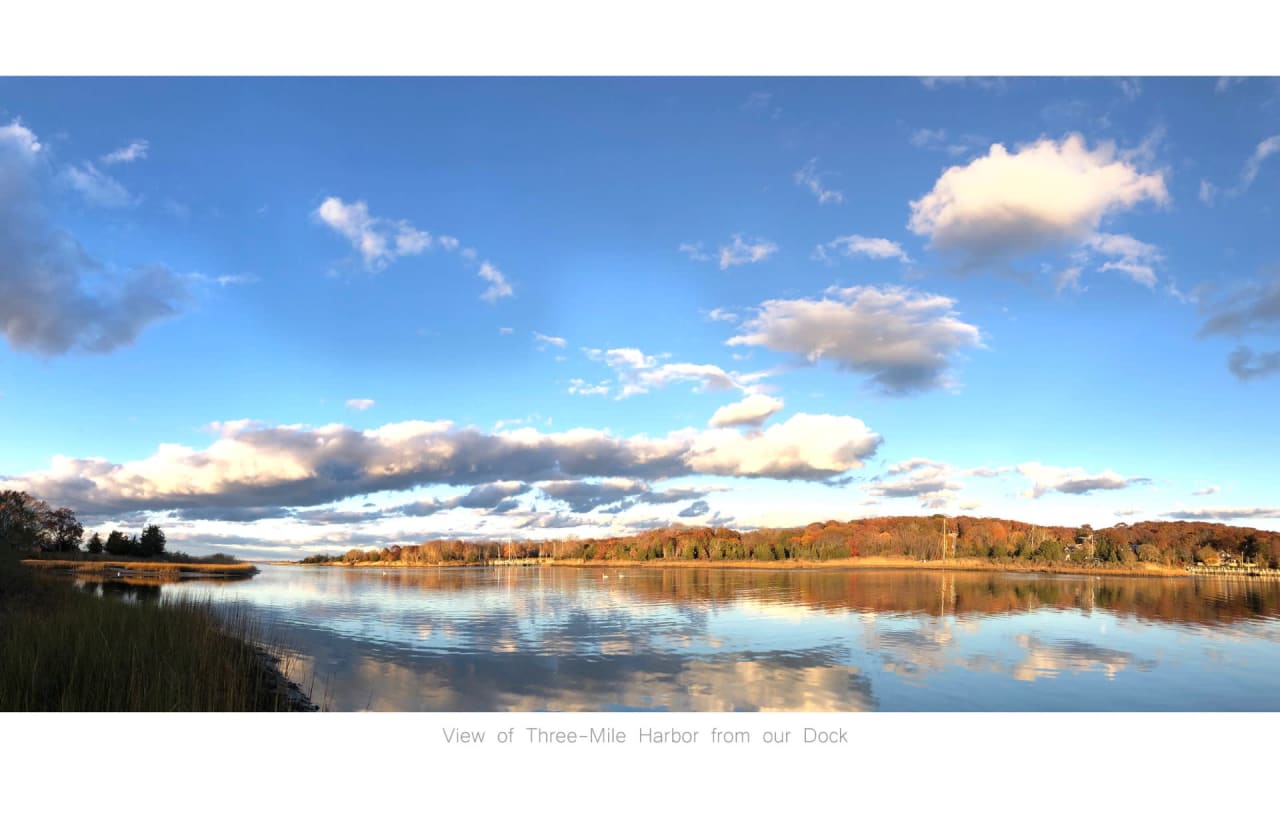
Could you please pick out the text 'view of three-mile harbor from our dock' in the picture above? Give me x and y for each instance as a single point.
(639, 394)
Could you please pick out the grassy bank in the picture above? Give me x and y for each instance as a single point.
(951, 564)
(65, 650)
(164, 569)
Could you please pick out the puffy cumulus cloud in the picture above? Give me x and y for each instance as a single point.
(361, 404)
(810, 446)
(1225, 514)
(809, 178)
(752, 410)
(741, 252)
(867, 246)
(137, 150)
(54, 296)
(1072, 480)
(381, 241)
(904, 340)
(1047, 194)
(254, 465)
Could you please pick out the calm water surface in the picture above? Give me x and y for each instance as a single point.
(522, 639)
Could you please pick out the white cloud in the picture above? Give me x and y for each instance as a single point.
(987, 83)
(1068, 279)
(581, 387)
(498, 285)
(1264, 150)
(1072, 480)
(19, 138)
(545, 341)
(360, 404)
(1047, 194)
(903, 339)
(805, 445)
(379, 241)
(867, 246)
(808, 178)
(741, 252)
(752, 410)
(723, 315)
(928, 137)
(930, 482)
(96, 187)
(1208, 192)
(1131, 88)
(294, 466)
(506, 330)
(694, 251)
(1127, 255)
(639, 373)
(234, 279)
(1211, 490)
(137, 150)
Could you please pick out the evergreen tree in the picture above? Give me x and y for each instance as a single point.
(152, 542)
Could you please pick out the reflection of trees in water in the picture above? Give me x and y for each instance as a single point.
(123, 588)
(916, 591)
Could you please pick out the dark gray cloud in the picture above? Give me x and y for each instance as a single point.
(699, 508)
(1073, 480)
(1250, 309)
(618, 494)
(1245, 364)
(1224, 514)
(54, 297)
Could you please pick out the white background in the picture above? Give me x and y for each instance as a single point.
(902, 775)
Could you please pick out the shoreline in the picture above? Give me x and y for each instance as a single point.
(840, 564)
(157, 570)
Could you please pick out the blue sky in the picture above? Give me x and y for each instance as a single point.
(281, 316)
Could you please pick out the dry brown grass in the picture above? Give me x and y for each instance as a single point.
(144, 568)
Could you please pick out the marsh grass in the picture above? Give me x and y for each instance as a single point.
(62, 649)
(164, 569)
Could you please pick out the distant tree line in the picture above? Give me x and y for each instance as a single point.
(925, 538)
